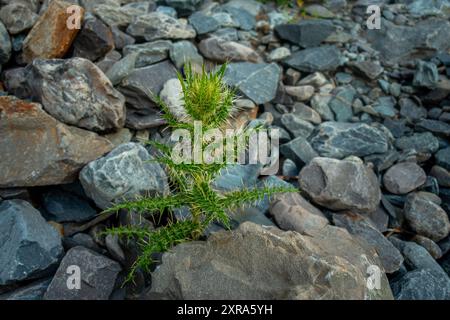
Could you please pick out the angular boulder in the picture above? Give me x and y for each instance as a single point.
(256, 262)
(76, 92)
(50, 37)
(30, 247)
(124, 174)
(257, 81)
(341, 184)
(38, 150)
(324, 58)
(306, 33)
(98, 276)
(339, 140)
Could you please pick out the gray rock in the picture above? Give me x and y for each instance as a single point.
(404, 177)
(341, 103)
(32, 4)
(442, 175)
(360, 226)
(33, 291)
(410, 109)
(276, 18)
(83, 240)
(421, 142)
(98, 276)
(396, 43)
(150, 52)
(259, 82)
(422, 8)
(156, 25)
(421, 285)
(227, 34)
(30, 248)
(289, 168)
(171, 12)
(320, 103)
(94, 40)
(203, 23)
(121, 39)
(225, 20)
(236, 176)
(183, 52)
(306, 33)
(184, 7)
(279, 54)
(244, 18)
(293, 213)
(216, 49)
(38, 150)
(5, 45)
(421, 262)
(254, 7)
(172, 95)
(437, 127)
(114, 16)
(123, 174)
(432, 247)
(339, 140)
(76, 92)
(380, 218)
(119, 137)
(18, 17)
(298, 150)
(341, 184)
(141, 88)
(112, 243)
(427, 75)
(324, 58)
(426, 217)
(296, 126)
(306, 113)
(300, 93)
(369, 69)
(269, 264)
(385, 107)
(61, 206)
(443, 158)
(122, 68)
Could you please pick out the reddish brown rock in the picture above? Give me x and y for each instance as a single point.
(50, 37)
(37, 150)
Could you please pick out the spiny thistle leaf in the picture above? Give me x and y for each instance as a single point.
(207, 99)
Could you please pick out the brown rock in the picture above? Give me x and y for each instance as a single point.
(38, 150)
(50, 37)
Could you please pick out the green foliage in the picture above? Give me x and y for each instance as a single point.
(209, 100)
(280, 3)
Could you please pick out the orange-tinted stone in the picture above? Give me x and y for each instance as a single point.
(50, 37)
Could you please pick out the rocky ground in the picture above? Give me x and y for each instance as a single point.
(364, 117)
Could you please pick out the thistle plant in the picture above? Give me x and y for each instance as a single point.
(207, 99)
